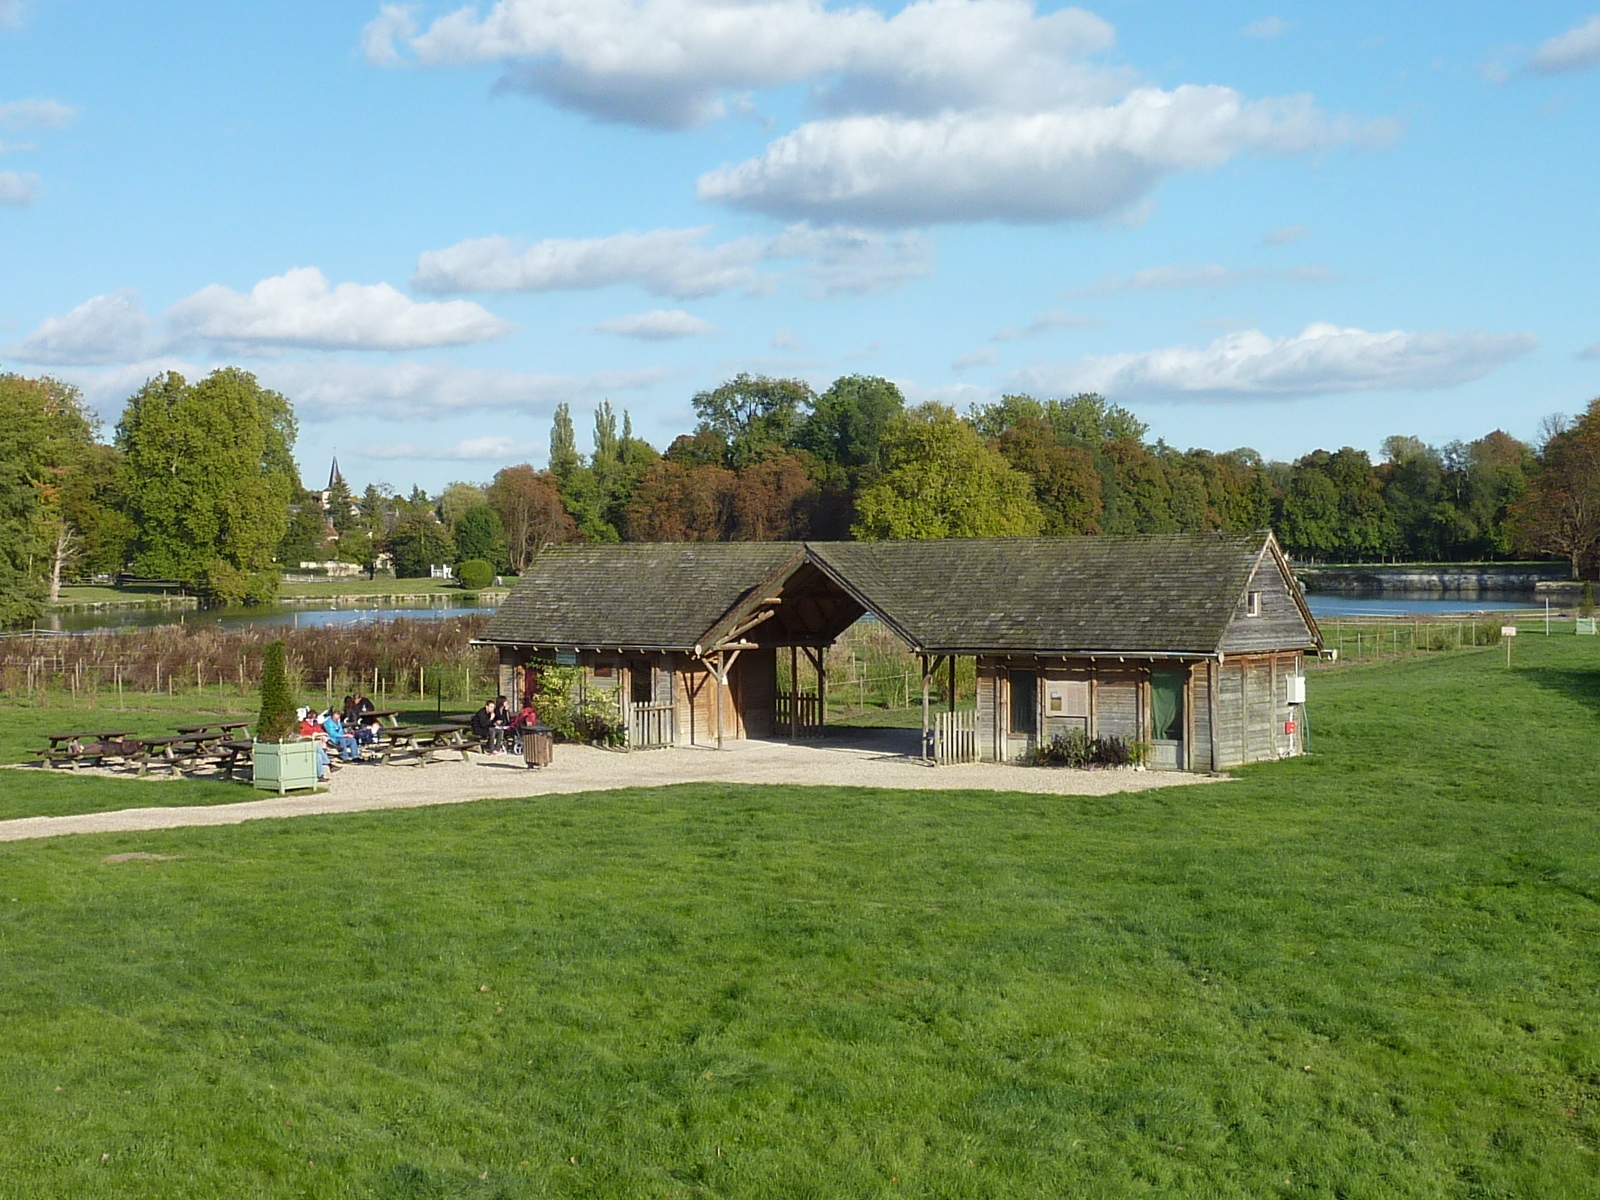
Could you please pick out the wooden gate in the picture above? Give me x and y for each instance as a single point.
(650, 725)
(807, 722)
(955, 737)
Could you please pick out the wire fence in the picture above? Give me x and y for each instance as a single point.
(392, 660)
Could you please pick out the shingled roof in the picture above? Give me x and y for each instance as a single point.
(1163, 595)
(635, 596)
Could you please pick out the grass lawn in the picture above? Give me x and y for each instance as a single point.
(40, 793)
(1371, 972)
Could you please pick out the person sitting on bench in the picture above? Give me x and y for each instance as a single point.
(486, 729)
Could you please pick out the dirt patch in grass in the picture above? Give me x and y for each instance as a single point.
(139, 856)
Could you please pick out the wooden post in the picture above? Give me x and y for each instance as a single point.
(719, 699)
(794, 691)
(822, 689)
(926, 672)
(952, 697)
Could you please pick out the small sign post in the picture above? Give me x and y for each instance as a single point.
(1507, 632)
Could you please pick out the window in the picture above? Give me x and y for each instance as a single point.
(642, 690)
(1252, 604)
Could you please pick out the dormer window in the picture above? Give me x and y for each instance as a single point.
(1252, 604)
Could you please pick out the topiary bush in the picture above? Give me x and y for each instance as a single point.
(475, 574)
(276, 721)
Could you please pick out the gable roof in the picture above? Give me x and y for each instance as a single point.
(1146, 595)
(633, 595)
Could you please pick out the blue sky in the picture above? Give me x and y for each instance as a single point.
(1275, 225)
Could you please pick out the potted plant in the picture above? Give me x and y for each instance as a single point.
(281, 760)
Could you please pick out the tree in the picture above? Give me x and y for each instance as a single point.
(753, 414)
(940, 479)
(563, 445)
(1086, 419)
(1066, 485)
(846, 425)
(208, 479)
(531, 513)
(1413, 490)
(456, 499)
(45, 435)
(417, 543)
(480, 535)
(275, 722)
(678, 503)
(771, 501)
(305, 538)
(1561, 512)
(91, 502)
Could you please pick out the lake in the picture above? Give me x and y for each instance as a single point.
(1392, 604)
(308, 615)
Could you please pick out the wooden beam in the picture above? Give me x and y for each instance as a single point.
(923, 659)
(720, 684)
(952, 696)
(794, 691)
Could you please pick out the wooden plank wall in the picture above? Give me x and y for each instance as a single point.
(1252, 709)
(1280, 622)
(1198, 721)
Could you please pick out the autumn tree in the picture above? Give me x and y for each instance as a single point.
(1066, 485)
(531, 513)
(1561, 512)
(679, 503)
(941, 479)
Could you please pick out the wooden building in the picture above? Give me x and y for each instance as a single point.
(1192, 643)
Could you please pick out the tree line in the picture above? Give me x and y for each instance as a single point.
(197, 484)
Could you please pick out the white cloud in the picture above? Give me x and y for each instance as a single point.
(974, 358)
(676, 262)
(1286, 234)
(1076, 164)
(1267, 27)
(325, 389)
(663, 324)
(1577, 49)
(13, 13)
(35, 114)
(1321, 359)
(481, 449)
(399, 391)
(109, 328)
(666, 262)
(785, 339)
(1044, 323)
(674, 63)
(16, 190)
(299, 309)
(1180, 277)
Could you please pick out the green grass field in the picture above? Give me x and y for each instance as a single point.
(1370, 972)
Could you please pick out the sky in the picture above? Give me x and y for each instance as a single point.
(1283, 226)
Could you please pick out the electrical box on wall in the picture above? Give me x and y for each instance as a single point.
(1296, 685)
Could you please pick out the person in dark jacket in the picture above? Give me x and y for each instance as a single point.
(485, 728)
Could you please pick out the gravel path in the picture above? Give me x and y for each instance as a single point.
(870, 759)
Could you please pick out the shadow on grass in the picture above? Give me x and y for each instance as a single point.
(1582, 686)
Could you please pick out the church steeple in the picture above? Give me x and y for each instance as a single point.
(333, 475)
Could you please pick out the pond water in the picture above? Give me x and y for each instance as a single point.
(293, 615)
(1393, 604)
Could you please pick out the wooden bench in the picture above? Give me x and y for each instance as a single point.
(419, 745)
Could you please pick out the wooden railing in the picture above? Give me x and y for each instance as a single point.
(955, 737)
(809, 724)
(650, 725)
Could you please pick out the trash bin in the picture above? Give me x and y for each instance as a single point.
(538, 746)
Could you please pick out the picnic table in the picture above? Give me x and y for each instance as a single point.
(419, 745)
(225, 728)
(70, 750)
(173, 751)
(392, 715)
(234, 756)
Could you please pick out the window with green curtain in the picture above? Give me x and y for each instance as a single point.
(1024, 702)
(1166, 705)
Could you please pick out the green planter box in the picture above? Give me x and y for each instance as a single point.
(284, 766)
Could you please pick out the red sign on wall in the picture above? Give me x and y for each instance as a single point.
(1288, 726)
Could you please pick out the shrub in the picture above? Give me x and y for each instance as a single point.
(276, 721)
(475, 574)
(1077, 749)
(594, 719)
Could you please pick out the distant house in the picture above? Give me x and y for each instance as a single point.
(1192, 643)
